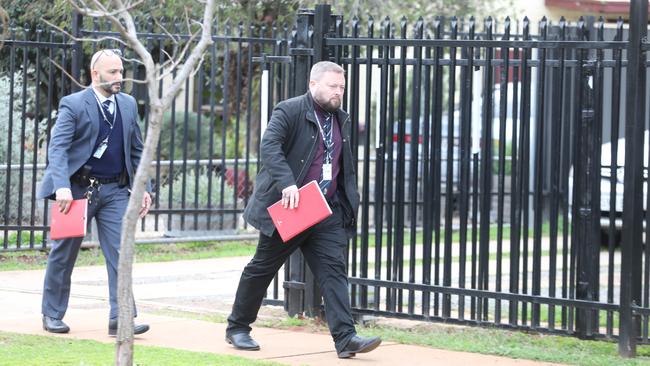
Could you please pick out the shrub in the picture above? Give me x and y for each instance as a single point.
(26, 140)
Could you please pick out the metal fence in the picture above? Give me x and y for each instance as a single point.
(491, 161)
(207, 156)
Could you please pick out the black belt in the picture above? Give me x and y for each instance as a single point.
(114, 179)
(86, 181)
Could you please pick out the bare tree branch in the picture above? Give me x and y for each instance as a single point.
(84, 9)
(102, 9)
(195, 55)
(56, 64)
(72, 79)
(179, 58)
(164, 29)
(187, 21)
(198, 65)
(78, 39)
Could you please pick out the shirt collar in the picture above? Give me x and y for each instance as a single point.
(102, 98)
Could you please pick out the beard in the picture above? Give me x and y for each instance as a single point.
(331, 105)
(111, 88)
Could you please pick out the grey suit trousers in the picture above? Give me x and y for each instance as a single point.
(107, 207)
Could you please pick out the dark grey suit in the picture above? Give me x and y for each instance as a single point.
(71, 145)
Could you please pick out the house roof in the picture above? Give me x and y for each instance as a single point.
(592, 6)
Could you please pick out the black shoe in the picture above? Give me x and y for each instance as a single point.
(137, 328)
(359, 345)
(242, 341)
(54, 325)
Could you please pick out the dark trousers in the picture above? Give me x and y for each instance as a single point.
(107, 207)
(323, 246)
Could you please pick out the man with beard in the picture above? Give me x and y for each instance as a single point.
(307, 138)
(94, 152)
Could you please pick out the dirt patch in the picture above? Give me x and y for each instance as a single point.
(25, 258)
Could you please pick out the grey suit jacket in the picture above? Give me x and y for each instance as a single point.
(75, 133)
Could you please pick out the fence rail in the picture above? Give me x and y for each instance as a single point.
(490, 162)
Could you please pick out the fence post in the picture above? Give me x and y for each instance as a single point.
(321, 23)
(301, 281)
(586, 200)
(77, 50)
(631, 246)
(303, 58)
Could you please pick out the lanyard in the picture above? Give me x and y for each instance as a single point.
(101, 108)
(328, 144)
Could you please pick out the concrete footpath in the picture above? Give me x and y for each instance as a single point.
(205, 287)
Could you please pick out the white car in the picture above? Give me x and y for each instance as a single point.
(611, 195)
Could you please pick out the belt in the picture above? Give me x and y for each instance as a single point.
(114, 179)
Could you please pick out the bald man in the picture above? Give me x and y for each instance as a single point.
(94, 152)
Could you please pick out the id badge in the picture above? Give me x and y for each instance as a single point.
(100, 150)
(327, 171)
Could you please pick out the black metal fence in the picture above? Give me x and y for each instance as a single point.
(490, 160)
(207, 156)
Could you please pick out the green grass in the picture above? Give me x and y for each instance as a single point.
(28, 350)
(26, 260)
(514, 344)
(486, 340)
(25, 238)
(455, 236)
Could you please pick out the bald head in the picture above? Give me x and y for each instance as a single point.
(106, 71)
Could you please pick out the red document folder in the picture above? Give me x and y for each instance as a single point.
(72, 224)
(312, 209)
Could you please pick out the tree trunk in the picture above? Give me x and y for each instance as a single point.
(124, 342)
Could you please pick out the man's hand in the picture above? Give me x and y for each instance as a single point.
(290, 197)
(146, 204)
(64, 199)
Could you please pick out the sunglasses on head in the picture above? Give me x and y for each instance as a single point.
(107, 52)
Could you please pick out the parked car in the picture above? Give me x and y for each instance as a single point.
(420, 159)
(607, 209)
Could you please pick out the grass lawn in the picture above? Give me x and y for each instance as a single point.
(489, 341)
(492, 341)
(10, 261)
(514, 344)
(31, 350)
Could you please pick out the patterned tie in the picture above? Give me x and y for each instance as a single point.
(329, 149)
(106, 106)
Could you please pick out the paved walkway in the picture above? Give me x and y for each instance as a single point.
(201, 286)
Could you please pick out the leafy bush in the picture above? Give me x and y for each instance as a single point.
(205, 189)
(26, 140)
(184, 126)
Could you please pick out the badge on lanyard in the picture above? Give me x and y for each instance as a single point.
(100, 149)
(327, 171)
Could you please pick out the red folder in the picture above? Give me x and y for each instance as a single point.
(72, 224)
(312, 209)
